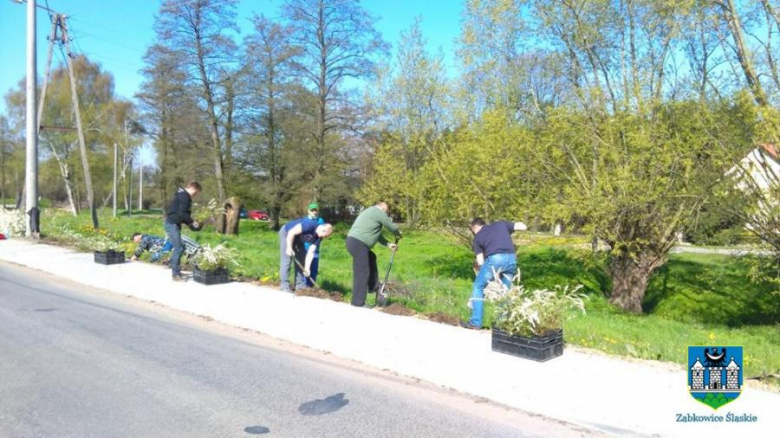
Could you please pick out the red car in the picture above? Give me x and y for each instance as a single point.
(257, 215)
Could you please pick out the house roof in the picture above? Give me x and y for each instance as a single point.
(771, 150)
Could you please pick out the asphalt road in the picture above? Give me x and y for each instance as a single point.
(81, 362)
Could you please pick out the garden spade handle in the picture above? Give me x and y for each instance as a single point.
(308, 276)
(381, 296)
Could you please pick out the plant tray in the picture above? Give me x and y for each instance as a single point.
(109, 257)
(218, 276)
(538, 348)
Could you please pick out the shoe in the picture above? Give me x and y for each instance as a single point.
(363, 306)
(470, 326)
(179, 278)
(287, 289)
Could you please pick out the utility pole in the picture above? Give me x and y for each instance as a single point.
(32, 228)
(116, 156)
(140, 184)
(52, 39)
(77, 114)
(130, 192)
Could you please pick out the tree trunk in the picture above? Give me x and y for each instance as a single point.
(124, 179)
(227, 223)
(62, 163)
(217, 151)
(629, 279)
(69, 190)
(230, 97)
(216, 144)
(164, 164)
(731, 15)
(2, 174)
(276, 212)
(19, 191)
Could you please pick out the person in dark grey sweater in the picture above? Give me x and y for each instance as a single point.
(364, 234)
(495, 255)
(180, 212)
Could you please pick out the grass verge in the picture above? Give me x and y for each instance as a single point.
(695, 299)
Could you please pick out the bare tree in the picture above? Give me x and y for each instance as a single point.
(732, 16)
(199, 32)
(270, 58)
(338, 42)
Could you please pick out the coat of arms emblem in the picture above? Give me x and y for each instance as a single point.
(715, 374)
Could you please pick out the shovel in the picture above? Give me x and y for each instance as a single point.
(300, 266)
(382, 294)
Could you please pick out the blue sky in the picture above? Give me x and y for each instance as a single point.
(116, 33)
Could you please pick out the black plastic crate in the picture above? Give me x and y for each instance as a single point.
(109, 257)
(218, 276)
(538, 348)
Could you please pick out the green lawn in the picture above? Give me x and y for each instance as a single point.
(694, 300)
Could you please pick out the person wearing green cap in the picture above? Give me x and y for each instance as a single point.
(314, 214)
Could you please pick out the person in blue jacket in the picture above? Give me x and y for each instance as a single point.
(291, 246)
(314, 214)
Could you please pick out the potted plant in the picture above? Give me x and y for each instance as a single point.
(12, 223)
(207, 213)
(529, 323)
(107, 252)
(211, 264)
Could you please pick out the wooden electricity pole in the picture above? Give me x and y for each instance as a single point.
(77, 111)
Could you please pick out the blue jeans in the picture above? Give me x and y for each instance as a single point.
(285, 262)
(506, 267)
(173, 232)
(159, 253)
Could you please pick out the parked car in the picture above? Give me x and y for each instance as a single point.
(257, 215)
(242, 213)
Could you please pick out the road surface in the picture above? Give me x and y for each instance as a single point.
(81, 362)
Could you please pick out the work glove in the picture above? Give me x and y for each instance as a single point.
(290, 252)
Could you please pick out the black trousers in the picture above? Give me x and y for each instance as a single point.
(364, 271)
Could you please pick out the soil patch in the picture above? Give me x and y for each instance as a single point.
(398, 309)
(319, 293)
(398, 289)
(444, 318)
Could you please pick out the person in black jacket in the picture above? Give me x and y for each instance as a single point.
(179, 212)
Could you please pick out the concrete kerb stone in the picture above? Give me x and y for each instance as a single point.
(610, 394)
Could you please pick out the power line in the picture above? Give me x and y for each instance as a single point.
(111, 32)
(45, 8)
(119, 64)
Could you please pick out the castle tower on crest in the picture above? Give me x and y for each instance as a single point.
(697, 376)
(732, 375)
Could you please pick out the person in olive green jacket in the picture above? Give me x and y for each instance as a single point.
(364, 234)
